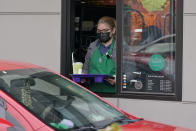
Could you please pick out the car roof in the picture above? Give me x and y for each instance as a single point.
(13, 65)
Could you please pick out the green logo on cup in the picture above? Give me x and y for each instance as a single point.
(156, 62)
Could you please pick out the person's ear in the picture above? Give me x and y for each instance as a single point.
(113, 31)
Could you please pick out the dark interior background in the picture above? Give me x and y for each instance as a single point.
(88, 10)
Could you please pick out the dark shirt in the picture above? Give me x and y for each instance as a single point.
(103, 49)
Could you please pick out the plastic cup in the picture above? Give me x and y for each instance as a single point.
(77, 67)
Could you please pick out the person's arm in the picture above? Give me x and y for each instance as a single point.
(114, 54)
(86, 63)
(112, 81)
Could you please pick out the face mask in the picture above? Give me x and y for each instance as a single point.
(104, 37)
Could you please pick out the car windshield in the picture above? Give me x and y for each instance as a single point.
(57, 101)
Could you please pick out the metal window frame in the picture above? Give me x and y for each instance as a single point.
(179, 61)
(66, 36)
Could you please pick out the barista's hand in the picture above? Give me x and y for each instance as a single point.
(112, 81)
(83, 80)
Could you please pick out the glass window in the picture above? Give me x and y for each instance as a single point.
(6, 116)
(58, 102)
(149, 46)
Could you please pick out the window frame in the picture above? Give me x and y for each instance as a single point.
(179, 53)
(66, 37)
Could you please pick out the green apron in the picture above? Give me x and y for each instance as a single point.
(100, 64)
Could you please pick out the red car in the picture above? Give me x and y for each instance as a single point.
(33, 98)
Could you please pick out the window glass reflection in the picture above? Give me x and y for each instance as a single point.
(149, 46)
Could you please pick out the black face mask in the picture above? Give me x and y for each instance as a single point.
(104, 37)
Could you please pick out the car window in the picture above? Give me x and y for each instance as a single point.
(159, 48)
(56, 101)
(4, 114)
(164, 44)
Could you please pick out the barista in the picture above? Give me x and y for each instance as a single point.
(101, 56)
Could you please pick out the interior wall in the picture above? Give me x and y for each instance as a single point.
(30, 31)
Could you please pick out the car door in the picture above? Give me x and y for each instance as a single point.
(8, 121)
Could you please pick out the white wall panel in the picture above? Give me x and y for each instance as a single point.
(174, 113)
(189, 6)
(189, 60)
(31, 38)
(113, 101)
(30, 5)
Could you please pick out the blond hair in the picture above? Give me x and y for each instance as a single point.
(107, 20)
